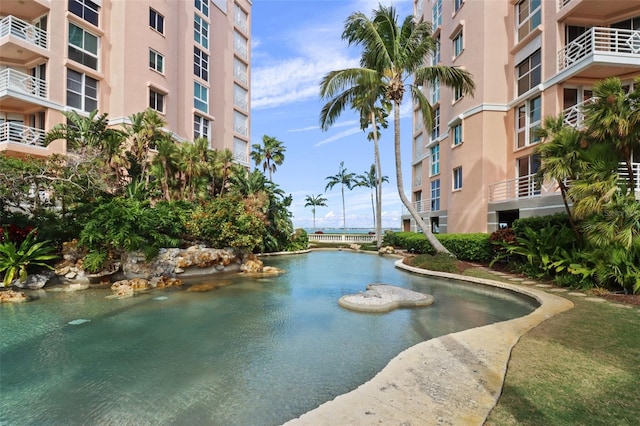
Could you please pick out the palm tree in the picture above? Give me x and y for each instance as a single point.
(315, 201)
(369, 180)
(562, 159)
(165, 165)
(144, 130)
(344, 179)
(270, 154)
(82, 131)
(368, 98)
(393, 54)
(614, 118)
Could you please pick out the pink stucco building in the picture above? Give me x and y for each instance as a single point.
(189, 60)
(530, 59)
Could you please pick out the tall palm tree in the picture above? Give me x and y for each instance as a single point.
(562, 159)
(344, 179)
(144, 130)
(315, 201)
(165, 165)
(369, 179)
(270, 154)
(393, 54)
(368, 98)
(614, 118)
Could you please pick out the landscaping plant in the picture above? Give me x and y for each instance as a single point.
(15, 260)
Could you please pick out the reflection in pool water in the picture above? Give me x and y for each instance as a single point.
(258, 352)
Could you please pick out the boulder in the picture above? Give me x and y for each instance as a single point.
(252, 266)
(386, 250)
(12, 296)
(34, 281)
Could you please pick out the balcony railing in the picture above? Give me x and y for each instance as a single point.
(14, 80)
(241, 21)
(10, 25)
(599, 40)
(623, 172)
(574, 116)
(19, 133)
(241, 48)
(241, 75)
(240, 128)
(240, 156)
(520, 188)
(563, 3)
(421, 206)
(240, 101)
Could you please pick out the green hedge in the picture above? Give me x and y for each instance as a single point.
(536, 223)
(471, 247)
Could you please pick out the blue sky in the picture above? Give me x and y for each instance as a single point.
(294, 44)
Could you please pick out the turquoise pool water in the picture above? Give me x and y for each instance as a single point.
(257, 352)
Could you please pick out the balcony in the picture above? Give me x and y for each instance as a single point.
(13, 132)
(574, 116)
(27, 9)
(590, 9)
(624, 175)
(19, 90)
(600, 53)
(421, 206)
(22, 42)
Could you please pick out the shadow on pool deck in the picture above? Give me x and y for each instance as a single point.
(454, 379)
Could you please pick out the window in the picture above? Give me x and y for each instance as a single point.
(457, 178)
(457, 134)
(435, 60)
(201, 127)
(240, 45)
(156, 21)
(83, 47)
(200, 97)
(156, 100)
(527, 122)
(526, 168)
(200, 64)
(241, 18)
(417, 147)
(435, 91)
(458, 45)
(240, 71)
(201, 31)
(457, 93)
(240, 97)
(436, 14)
(240, 149)
(435, 132)
(457, 4)
(435, 195)
(529, 72)
(435, 160)
(82, 91)
(202, 6)
(156, 61)
(528, 14)
(86, 9)
(240, 123)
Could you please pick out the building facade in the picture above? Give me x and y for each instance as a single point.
(473, 172)
(188, 60)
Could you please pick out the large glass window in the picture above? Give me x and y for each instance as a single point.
(457, 4)
(241, 18)
(457, 93)
(83, 46)
(436, 14)
(526, 168)
(200, 97)
(240, 45)
(201, 127)
(240, 148)
(435, 91)
(457, 134)
(86, 9)
(458, 44)
(201, 31)
(529, 72)
(435, 195)
(240, 97)
(156, 61)
(435, 60)
(240, 123)
(240, 71)
(200, 64)
(435, 160)
(527, 122)
(156, 21)
(457, 178)
(202, 6)
(156, 100)
(435, 132)
(528, 14)
(82, 91)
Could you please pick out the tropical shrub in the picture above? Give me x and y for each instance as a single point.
(536, 223)
(16, 260)
(471, 247)
(299, 240)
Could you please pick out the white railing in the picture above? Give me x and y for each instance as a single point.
(11, 79)
(574, 116)
(241, 75)
(241, 21)
(240, 101)
(240, 128)
(10, 25)
(241, 48)
(520, 188)
(422, 206)
(563, 3)
(240, 156)
(623, 172)
(19, 133)
(342, 238)
(599, 40)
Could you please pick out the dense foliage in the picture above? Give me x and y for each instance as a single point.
(471, 247)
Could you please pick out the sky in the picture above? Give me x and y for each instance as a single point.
(295, 43)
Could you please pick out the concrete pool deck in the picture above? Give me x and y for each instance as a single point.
(454, 379)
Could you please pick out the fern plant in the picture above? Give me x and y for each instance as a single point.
(15, 261)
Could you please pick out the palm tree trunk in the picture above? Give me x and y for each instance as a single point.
(344, 215)
(437, 245)
(376, 154)
(572, 222)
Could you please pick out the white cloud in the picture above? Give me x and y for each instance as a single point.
(339, 136)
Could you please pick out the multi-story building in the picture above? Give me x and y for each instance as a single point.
(188, 60)
(473, 172)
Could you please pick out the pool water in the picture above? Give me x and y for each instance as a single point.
(260, 351)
